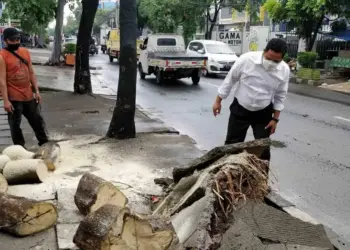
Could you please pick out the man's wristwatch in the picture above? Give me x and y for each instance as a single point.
(275, 119)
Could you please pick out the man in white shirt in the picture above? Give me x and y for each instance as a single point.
(261, 82)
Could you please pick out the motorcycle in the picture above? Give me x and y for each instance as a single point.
(93, 49)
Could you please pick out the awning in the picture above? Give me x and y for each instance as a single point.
(341, 35)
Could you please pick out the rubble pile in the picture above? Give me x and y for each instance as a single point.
(216, 202)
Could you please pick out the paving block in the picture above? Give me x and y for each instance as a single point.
(45, 240)
(68, 213)
(39, 192)
(65, 235)
(271, 224)
(240, 237)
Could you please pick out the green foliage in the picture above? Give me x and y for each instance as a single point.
(305, 15)
(286, 58)
(72, 25)
(307, 59)
(70, 48)
(101, 17)
(47, 40)
(32, 13)
(339, 25)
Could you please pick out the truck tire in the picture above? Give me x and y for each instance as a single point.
(111, 59)
(142, 75)
(160, 77)
(195, 77)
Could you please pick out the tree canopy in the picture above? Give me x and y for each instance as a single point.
(306, 16)
(33, 14)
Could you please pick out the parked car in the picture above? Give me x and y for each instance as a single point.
(220, 55)
(165, 56)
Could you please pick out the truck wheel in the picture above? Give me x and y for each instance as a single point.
(111, 59)
(195, 77)
(142, 75)
(160, 76)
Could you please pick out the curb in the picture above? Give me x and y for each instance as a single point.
(280, 203)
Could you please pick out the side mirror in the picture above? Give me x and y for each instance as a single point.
(200, 51)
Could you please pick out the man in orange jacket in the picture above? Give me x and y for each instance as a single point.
(17, 81)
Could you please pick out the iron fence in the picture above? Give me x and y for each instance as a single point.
(328, 47)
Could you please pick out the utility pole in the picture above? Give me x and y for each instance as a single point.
(251, 4)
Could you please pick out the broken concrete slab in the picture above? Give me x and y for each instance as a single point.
(189, 189)
(297, 213)
(255, 147)
(68, 213)
(191, 223)
(45, 240)
(39, 192)
(278, 200)
(65, 234)
(339, 242)
(274, 225)
(240, 237)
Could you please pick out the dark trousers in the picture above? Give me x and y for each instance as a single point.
(30, 110)
(241, 119)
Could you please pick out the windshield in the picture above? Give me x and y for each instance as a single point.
(219, 49)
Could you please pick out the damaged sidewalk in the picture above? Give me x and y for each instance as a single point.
(79, 123)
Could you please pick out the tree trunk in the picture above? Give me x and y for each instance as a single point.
(56, 50)
(82, 80)
(314, 36)
(3, 184)
(22, 217)
(41, 38)
(122, 124)
(93, 192)
(27, 171)
(112, 227)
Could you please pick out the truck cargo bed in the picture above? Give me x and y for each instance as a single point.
(183, 56)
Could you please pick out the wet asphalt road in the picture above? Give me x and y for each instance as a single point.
(311, 168)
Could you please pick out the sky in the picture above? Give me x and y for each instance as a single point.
(67, 12)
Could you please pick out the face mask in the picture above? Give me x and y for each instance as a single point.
(13, 47)
(269, 65)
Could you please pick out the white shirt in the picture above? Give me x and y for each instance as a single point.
(256, 87)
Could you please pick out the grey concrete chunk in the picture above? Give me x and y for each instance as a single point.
(292, 247)
(278, 200)
(65, 235)
(240, 237)
(274, 225)
(39, 192)
(45, 240)
(190, 222)
(68, 213)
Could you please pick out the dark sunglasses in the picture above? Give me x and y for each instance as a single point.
(14, 38)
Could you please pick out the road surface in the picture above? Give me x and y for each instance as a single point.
(311, 165)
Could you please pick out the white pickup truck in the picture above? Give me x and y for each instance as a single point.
(166, 57)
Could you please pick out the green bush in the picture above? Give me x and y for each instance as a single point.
(69, 48)
(47, 40)
(286, 58)
(307, 59)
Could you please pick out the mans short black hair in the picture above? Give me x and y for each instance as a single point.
(277, 45)
(11, 33)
